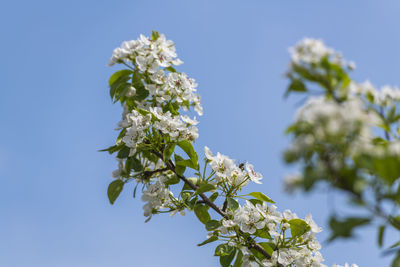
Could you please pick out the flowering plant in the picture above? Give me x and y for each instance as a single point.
(155, 150)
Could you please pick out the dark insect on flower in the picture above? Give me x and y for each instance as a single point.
(241, 166)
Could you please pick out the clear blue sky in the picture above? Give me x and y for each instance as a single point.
(55, 114)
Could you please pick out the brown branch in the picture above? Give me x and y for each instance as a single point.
(206, 200)
(171, 166)
(150, 173)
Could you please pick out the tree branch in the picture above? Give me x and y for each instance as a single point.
(206, 200)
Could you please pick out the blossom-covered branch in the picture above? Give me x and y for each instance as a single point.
(154, 149)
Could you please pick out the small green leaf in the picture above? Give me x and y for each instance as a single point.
(298, 227)
(141, 93)
(114, 189)
(189, 150)
(297, 86)
(262, 233)
(344, 228)
(238, 261)
(211, 239)
(117, 75)
(155, 35)
(170, 69)
(174, 179)
(223, 250)
(121, 91)
(137, 165)
(396, 261)
(261, 196)
(227, 259)
(168, 150)
(212, 225)
(255, 201)
(118, 85)
(123, 153)
(201, 212)
(112, 149)
(232, 204)
(205, 188)
(180, 169)
(213, 196)
(395, 245)
(187, 163)
(381, 231)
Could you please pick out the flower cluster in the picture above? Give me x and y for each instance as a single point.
(148, 54)
(177, 128)
(324, 122)
(136, 126)
(157, 197)
(300, 249)
(152, 92)
(313, 51)
(174, 86)
(227, 171)
(387, 96)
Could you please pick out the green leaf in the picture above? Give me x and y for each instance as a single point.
(117, 75)
(120, 137)
(118, 85)
(112, 149)
(121, 91)
(170, 69)
(297, 86)
(201, 212)
(344, 228)
(238, 261)
(263, 233)
(227, 259)
(261, 196)
(141, 93)
(395, 245)
(396, 261)
(137, 165)
(388, 168)
(123, 153)
(189, 150)
(255, 201)
(168, 150)
(298, 227)
(232, 204)
(223, 250)
(205, 188)
(114, 189)
(171, 108)
(213, 196)
(381, 231)
(187, 163)
(268, 247)
(179, 169)
(212, 225)
(257, 254)
(211, 239)
(155, 35)
(172, 180)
